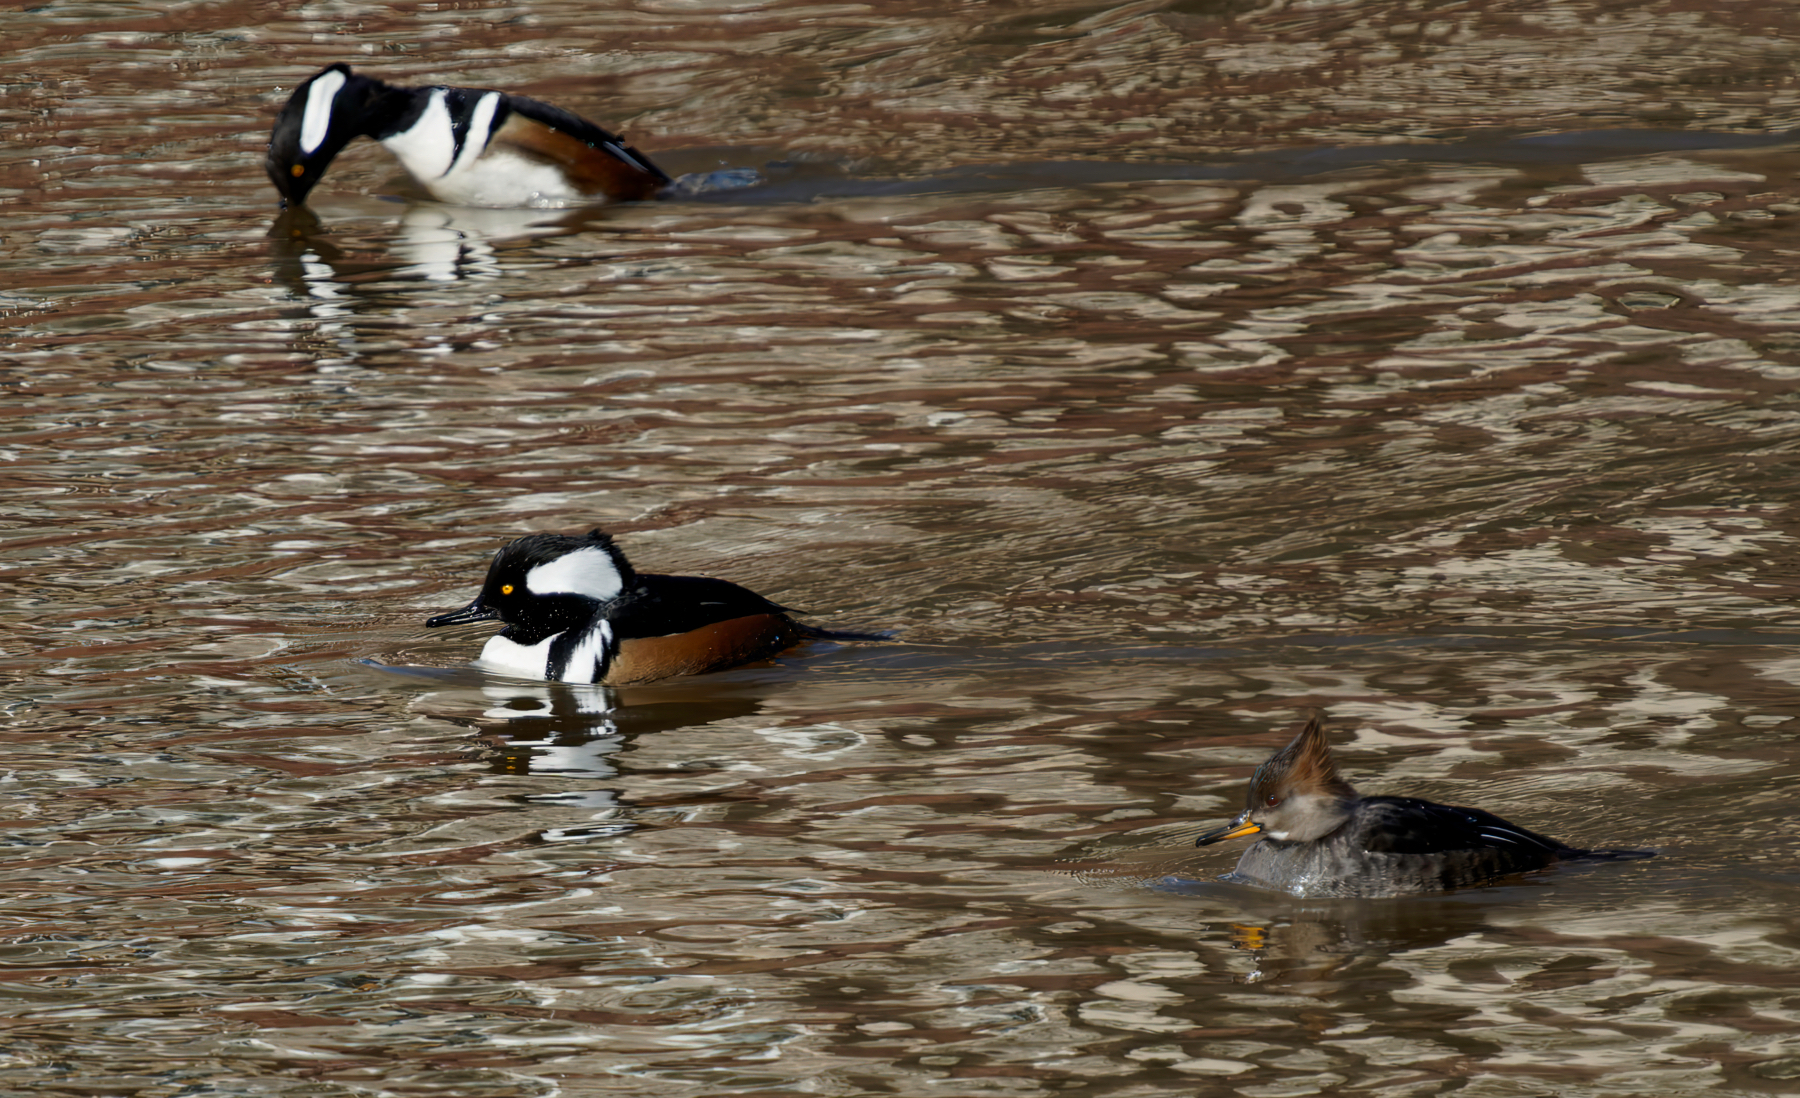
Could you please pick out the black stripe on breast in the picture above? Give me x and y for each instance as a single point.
(461, 105)
(563, 651)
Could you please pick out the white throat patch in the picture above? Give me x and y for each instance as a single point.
(589, 572)
(315, 121)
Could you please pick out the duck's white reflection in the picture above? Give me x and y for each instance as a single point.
(449, 243)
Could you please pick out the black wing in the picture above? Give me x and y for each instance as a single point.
(580, 128)
(660, 606)
(1411, 826)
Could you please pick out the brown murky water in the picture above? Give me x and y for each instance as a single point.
(1154, 371)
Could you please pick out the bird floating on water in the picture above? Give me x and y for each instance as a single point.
(465, 146)
(1319, 837)
(577, 611)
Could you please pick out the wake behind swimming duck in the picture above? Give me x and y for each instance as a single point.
(1320, 838)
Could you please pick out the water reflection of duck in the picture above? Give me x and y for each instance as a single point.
(467, 146)
(1320, 838)
(576, 611)
(576, 731)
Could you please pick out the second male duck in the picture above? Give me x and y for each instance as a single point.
(576, 611)
(465, 146)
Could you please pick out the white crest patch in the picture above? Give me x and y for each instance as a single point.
(589, 572)
(315, 121)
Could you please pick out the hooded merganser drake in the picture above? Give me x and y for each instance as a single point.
(576, 611)
(1320, 838)
(465, 146)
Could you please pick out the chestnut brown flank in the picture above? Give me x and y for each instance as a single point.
(709, 648)
(592, 171)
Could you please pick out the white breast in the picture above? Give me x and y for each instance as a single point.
(506, 657)
(509, 657)
(503, 179)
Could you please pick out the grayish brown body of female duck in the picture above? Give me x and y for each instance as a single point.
(1320, 838)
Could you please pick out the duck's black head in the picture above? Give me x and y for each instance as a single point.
(548, 582)
(320, 118)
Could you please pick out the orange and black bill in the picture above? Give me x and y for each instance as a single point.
(1242, 825)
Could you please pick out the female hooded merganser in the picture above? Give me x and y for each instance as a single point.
(466, 146)
(576, 611)
(1319, 838)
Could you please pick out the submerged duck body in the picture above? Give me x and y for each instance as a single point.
(465, 146)
(1319, 838)
(576, 611)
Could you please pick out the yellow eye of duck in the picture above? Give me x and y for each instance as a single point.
(506, 589)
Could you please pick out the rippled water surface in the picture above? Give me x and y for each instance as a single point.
(1154, 372)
